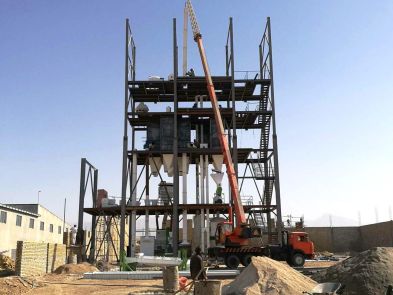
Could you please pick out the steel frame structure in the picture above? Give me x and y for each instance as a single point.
(262, 170)
(92, 178)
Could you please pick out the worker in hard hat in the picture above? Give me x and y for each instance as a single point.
(196, 265)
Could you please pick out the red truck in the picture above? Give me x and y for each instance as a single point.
(296, 248)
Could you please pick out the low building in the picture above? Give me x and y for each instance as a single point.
(28, 222)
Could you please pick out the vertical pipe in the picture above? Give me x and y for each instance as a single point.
(132, 233)
(202, 186)
(207, 201)
(175, 213)
(202, 189)
(275, 144)
(132, 175)
(197, 138)
(184, 170)
(79, 236)
(147, 201)
(125, 149)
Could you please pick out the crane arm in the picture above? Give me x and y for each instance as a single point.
(239, 211)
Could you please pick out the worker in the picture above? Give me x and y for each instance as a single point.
(73, 235)
(219, 190)
(190, 73)
(196, 266)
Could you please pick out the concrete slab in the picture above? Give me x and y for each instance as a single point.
(150, 275)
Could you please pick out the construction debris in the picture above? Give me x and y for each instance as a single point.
(16, 285)
(6, 263)
(76, 268)
(266, 276)
(366, 273)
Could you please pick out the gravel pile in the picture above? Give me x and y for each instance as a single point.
(365, 273)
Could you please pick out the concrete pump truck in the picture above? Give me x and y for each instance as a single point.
(235, 243)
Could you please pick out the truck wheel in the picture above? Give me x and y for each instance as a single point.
(232, 261)
(297, 259)
(246, 259)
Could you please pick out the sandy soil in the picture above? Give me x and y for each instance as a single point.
(66, 284)
(74, 284)
(267, 276)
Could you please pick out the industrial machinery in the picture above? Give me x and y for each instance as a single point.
(236, 241)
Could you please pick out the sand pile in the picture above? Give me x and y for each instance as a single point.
(365, 273)
(266, 276)
(6, 263)
(76, 268)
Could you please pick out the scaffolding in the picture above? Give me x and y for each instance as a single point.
(183, 104)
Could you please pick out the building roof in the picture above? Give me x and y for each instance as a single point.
(14, 208)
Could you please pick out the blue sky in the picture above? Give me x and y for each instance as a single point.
(61, 98)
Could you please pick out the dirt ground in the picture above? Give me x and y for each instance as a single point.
(66, 284)
(74, 284)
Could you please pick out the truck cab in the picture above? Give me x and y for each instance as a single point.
(300, 241)
(301, 248)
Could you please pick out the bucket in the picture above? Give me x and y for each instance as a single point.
(211, 287)
(182, 283)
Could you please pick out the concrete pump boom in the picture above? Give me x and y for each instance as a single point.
(239, 212)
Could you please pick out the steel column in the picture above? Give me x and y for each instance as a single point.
(93, 218)
(125, 147)
(175, 213)
(275, 144)
(79, 236)
(233, 96)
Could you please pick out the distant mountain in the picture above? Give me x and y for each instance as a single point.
(324, 220)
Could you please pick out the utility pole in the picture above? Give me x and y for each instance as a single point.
(39, 197)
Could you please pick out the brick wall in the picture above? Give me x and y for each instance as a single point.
(347, 239)
(56, 256)
(30, 258)
(377, 235)
(38, 258)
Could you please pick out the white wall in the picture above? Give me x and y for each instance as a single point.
(10, 233)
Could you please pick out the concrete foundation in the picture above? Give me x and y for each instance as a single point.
(149, 275)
